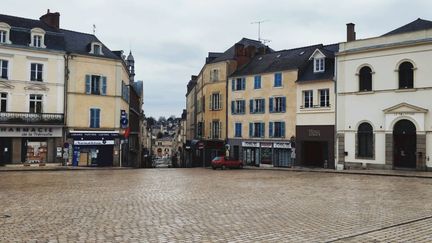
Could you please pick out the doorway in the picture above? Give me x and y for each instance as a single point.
(251, 156)
(314, 153)
(404, 144)
(5, 151)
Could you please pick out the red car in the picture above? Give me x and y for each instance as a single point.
(224, 162)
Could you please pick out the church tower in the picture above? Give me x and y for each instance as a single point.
(130, 61)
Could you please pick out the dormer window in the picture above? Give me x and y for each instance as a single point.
(319, 65)
(96, 48)
(38, 38)
(4, 33)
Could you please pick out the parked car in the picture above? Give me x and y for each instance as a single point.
(224, 162)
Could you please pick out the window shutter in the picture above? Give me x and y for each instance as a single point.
(271, 129)
(88, 84)
(283, 129)
(211, 102)
(210, 130)
(232, 107)
(251, 106)
(233, 84)
(243, 83)
(262, 132)
(104, 87)
(220, 130)
(263, 106)
(220, 101)
(97, 118)
(92, 116)
(243, 106)
(250, 129)
(283, 104)
(271, 105)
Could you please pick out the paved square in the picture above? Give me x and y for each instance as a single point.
(202, 205)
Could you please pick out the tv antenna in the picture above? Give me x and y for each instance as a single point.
(94, 29)
(264, 41)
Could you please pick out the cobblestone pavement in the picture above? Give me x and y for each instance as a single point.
(202, 205)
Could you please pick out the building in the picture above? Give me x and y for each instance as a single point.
(263, 107)
(162, 147)
(383, 99)
(191, 119)
(31, 90)
(135, 120)
(315, 129)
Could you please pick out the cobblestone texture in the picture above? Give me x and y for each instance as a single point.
(201, 205)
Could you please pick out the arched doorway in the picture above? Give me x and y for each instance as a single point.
(405, 144)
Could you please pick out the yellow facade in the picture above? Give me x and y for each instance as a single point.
(80, 103)
(267, 91)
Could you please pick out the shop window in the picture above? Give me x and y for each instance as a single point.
(94, 118)
(4, 69)
(406, 75)
(3, 102)
(365, 141)
(365, 79)
(35, 103)
(96, 85)
(36, 72)
(36, 152)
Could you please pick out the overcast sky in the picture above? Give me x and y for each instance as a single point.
(171, 38)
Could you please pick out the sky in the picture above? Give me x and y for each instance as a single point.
(171, 38)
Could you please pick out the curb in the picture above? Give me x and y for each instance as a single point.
(65, 169)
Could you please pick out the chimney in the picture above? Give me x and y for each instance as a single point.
(51, 19)
(351, 34)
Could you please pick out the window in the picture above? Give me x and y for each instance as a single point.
(4, 69)
(238, 130)
(36, 72)
(94, 118)
(97, 85)
(277, 129)
(278, 80)
(365, 79)
(319, 65)
(308, 99)
(277, 104)
(256, 129)
(125, 92)
(200, 129)
(35, 103)
(37, 40)
(3, 102)
(238, 107)
(3, 36)
(215, 102)
(214, 75)
(324, 98)
(257, 106)
(257, 82)
(216, 129)
(238, 84)
(365, 141)
(97, 49)
(406, 75)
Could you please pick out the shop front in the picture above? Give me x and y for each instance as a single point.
(31, 144)
(95, 148)
(315, 146)
(203, 151)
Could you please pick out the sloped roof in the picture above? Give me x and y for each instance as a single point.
(307, 73)
(416, 25)
(229, 54)
(277, 61)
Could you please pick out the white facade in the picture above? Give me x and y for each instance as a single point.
(386, 104)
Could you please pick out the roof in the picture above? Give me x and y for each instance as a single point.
(230, 53)
(55, 39)
(416, 25)
(307, 73)
(277, 61)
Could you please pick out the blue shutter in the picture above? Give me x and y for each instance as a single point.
(232, 107)
(88, 84)
(283, 129)
(92, 117)
(271, 129)
(271, 105)
(104, 85)
(243, 83)
(283, 104)
(243, 106)
(263, 106)
(97, 119)
(250, 129)
(251, 106)
(240, 129)
(262, 132)
(233, 84)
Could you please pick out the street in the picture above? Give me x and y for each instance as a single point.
(202, 205)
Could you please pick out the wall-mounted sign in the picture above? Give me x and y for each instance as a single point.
(266, 145)
(94, 142)
(282, 145)
(107, 135)
(251, 144)
(30, 132)
(314, 133)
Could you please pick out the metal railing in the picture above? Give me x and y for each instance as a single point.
(31, 118)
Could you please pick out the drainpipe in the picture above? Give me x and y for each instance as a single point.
(335, 143)
(66, 57)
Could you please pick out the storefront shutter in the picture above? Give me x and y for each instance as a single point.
(271, 105)
(88, 84)
(271, 129)
(104, 86)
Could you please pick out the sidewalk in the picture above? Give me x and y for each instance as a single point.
(397, 173)
(53, 167)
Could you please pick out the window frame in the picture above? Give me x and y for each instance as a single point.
(4, 96)
(319, 65)
(308, 99)
(2, 69)
(278, 80)
(365, 148)
(257, 82)
(39, 69)
(238, 129)
(365, 79)
(326, 97)
(408, 74)
(37, 100)
(92, 120)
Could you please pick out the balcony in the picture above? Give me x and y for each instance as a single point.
(31, 118)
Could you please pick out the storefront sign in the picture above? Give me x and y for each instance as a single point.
(314, 133)
(94, 142)
(251, 144)
(99, 135)
(282, 145)
(266, 145)
(30, 132)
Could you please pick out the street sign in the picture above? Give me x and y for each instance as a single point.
(200, 145)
